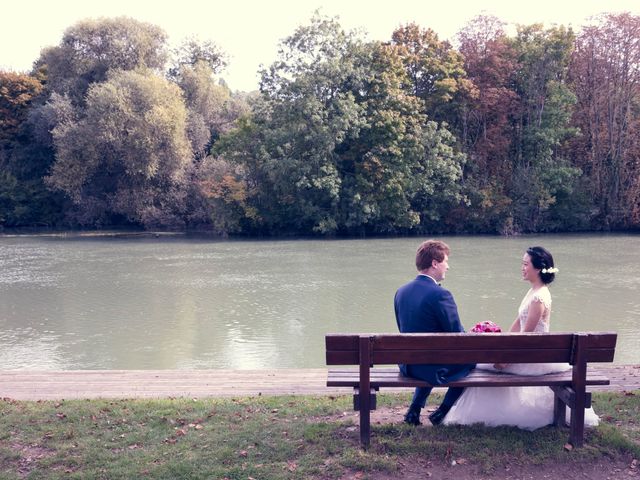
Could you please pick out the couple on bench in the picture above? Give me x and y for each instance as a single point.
(422, 306)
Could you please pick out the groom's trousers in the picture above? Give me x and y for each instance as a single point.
(422, 393)
(436, 375)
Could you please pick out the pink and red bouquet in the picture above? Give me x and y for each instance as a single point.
(486, 327)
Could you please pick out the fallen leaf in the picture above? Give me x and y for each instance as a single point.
(242, 453)
(292, 466)
(568, 447)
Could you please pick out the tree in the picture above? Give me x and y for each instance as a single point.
(17, 92)
(194, 51)
(306, 114)
(606, 79)
(485, 128)
(126, 153)
(541, 175)
(24, 199)
(212, 108)
(91, 48)
(435, 71)
(337, 144)
(401, 172)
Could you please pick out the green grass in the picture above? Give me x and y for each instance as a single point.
(270, 437)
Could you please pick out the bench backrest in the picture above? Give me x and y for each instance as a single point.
(456, 348)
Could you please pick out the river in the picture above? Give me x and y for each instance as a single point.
(70, 302)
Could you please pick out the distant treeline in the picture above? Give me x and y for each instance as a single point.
(537, 132)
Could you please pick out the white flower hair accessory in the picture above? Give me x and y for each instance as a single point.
(550, 270)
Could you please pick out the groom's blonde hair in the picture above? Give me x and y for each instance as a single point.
(430, 250)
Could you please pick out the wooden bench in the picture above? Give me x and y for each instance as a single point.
(367, 350)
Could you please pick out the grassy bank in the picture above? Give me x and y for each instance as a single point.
(276, 437)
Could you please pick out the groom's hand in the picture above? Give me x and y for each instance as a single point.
(499, 366)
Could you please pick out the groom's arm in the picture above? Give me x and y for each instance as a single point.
(447, 312)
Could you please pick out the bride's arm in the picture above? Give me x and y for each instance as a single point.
(515, 326)
(536, 309)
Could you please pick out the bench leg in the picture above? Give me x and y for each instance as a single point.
(578, 384)
(559, 412)
(576, 433)
(373, 403)
(364, 404)
(365, 389)
(365, 425)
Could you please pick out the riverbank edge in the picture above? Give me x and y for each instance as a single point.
(90, 384)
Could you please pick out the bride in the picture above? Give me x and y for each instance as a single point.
(524, 407)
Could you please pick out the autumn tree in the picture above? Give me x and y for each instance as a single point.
(485, 128)
(606, 79)
(24, 199)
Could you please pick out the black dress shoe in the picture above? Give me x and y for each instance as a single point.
(438, 415)
(412, 416)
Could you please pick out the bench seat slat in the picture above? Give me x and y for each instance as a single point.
(391, 378)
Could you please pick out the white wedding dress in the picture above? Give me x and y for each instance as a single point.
(528, 408)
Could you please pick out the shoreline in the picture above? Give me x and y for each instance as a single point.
(92, 384)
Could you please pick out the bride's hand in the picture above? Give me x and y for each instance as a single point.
(499, 366)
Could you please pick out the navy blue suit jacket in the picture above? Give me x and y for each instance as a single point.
(423, 306)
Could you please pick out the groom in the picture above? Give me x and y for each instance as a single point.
(422, 305)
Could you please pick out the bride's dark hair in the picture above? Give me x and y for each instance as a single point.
(542, 258)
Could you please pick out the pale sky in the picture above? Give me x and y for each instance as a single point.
(249, 30)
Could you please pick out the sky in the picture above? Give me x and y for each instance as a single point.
(249, 31)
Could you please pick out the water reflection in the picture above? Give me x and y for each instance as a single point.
(68, 303)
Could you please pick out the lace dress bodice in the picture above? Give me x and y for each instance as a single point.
(542, 295)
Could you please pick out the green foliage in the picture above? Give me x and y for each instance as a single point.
(90, 49)
(212, 109)
(193, 51)
(542, 123)
(346, 136)
(24, 199)
(337, 143)
(435, 71)
(127, 153)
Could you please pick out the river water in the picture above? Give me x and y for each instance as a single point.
(70, 302)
